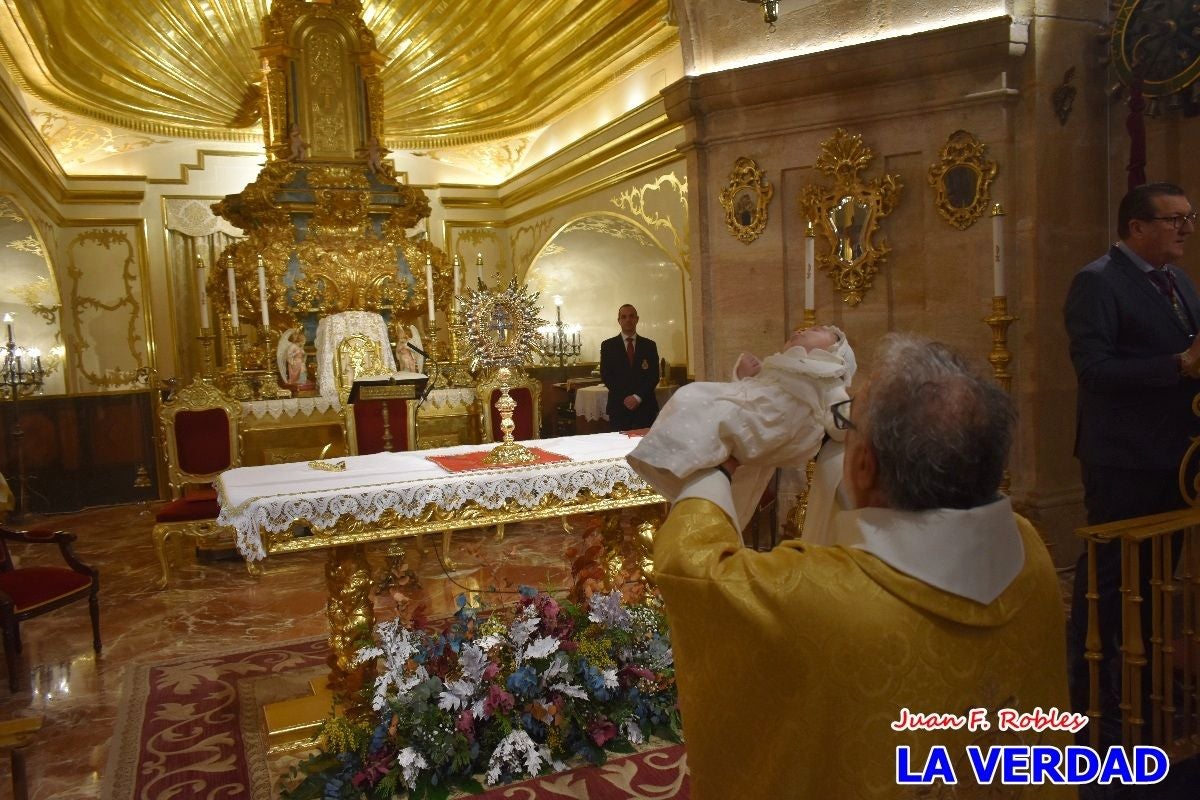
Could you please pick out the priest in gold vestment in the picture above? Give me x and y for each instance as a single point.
(796, 666)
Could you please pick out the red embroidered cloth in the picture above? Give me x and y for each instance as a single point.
(466, 462)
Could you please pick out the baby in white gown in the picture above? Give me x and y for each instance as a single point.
(774, 414)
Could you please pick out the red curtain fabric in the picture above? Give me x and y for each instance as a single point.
(368, 425)
(202, 441)
(522, 417)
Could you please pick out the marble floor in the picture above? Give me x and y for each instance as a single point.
(209, 607)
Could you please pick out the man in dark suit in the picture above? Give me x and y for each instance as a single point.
(629, 368)
(1131, 316)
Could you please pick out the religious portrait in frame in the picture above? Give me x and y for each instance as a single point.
(745, 200)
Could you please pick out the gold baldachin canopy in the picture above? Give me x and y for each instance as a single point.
(455, 72)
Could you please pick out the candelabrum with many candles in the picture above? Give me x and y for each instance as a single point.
(560, 341)
(23, 374)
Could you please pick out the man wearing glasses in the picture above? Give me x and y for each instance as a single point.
(1131, 317)
(795, 666)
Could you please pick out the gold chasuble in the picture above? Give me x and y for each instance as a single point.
(794, 664)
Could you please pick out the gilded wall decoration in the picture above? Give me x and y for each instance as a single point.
(614, 227)
(472, 243)
(847, 214)
(962, 180)
(496, 160)
(29, 244)
(107, 333)
(527, 242)
(659, 205)
(745, 200)
(9, 210)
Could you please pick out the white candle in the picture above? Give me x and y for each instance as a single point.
(479, 267)
(457, 276)
(810, 260)
(233, 312)
(998, 288)
(8, 320)
(429, 285)
(262, 292)
(202, 279)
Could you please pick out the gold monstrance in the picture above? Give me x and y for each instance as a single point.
(502, 333)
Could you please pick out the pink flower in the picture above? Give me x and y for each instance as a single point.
(491, 670)
(466, 724)
(602, 731)
(497, 699)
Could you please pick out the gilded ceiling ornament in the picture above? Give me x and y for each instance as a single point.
(497, 160)
(29, 244)
(745, 200)
(961, 181)
(848, 214)
(76, 141)
(614, 227)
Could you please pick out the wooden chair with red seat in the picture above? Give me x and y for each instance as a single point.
(199, 426)
(30, 591)
(527, 417)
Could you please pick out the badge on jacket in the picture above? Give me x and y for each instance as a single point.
(645, 364)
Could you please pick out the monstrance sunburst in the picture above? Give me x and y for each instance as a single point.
(502, 333)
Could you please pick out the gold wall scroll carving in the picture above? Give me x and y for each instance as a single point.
(745, 200)
(847, 214)
(961, 180)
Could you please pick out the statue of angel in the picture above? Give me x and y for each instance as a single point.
(290, 357)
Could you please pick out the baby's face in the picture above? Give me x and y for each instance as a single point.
(819, 337)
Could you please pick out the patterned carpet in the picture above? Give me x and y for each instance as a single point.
(191, 727)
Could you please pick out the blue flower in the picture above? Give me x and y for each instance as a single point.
(594, 681)
(523, 682)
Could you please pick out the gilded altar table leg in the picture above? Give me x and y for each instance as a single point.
(351, 615)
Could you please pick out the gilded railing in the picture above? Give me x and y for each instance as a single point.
(1168, 659)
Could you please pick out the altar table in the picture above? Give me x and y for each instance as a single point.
(280, 508)
(591, 402)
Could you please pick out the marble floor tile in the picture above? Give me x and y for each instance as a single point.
(210, 607)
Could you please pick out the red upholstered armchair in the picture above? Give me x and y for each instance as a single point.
(375, 426)
(199, 426)
(528, 415)
(30, 591)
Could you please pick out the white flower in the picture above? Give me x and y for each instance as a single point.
(633, 732)
(473, 661)
(571, 690)
(457, 695)
(557, 667)
(610, 678)
(522, 629)
(411, 763)
(606, 609)
(519, 753)
(539, 648)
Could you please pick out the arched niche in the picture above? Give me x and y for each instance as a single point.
(599, 261)
(30, 293)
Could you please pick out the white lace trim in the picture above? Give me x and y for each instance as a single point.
(490, 489)
(316, 406)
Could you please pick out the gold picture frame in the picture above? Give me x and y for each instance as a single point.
(847, 214)
(962, 180)
(745, 200)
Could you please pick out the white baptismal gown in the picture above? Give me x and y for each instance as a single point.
(774, 419)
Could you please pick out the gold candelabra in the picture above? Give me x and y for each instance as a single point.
(508, 452)
(1000, 357)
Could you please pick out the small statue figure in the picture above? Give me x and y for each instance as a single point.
(299, 148)
(290, 357)
(407, 359)
(375, 154)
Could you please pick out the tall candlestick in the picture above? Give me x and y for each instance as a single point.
(998, 287)
(457, 276)
(429, 285)
(233, 312)
(262, 291)
(479, 267)
(202, 291)
(810, 258)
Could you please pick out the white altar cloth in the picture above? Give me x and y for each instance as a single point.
(272, 497)
(316, 406)
(591, 402)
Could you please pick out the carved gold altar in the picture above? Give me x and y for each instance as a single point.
(289, 508)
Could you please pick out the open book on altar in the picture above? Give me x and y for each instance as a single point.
(397, 386)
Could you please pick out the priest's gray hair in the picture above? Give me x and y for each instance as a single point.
(940, 430)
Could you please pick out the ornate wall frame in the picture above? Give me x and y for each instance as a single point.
(961, 181)
(745, 200)
(847, 214)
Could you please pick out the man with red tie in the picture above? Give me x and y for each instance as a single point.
(629, 368)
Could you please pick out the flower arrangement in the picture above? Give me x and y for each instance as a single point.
(507, 696)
